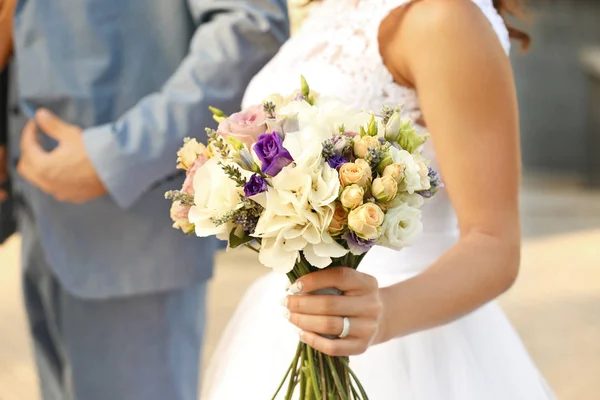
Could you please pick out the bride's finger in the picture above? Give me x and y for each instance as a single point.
(333, 325)
(345, 279)
(344, 306)
(337, 347)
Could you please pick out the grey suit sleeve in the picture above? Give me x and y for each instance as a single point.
(234, 39)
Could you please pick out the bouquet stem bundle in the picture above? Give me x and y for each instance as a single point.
(320, 376)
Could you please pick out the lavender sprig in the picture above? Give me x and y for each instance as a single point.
(218, 143)
(373, 157)
(180, 196)
(435, 182)
(269, 108)
(234, 174)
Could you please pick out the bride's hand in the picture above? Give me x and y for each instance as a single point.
(325, 314)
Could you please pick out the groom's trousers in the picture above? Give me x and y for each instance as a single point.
(144, 347)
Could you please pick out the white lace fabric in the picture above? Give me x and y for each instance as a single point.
(337, 50)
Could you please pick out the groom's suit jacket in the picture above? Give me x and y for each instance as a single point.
(138, 76)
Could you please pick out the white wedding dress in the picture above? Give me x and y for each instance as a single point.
(477, 357)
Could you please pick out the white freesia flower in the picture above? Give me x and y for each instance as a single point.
(215, 195)
(412, 178)
(401, 226)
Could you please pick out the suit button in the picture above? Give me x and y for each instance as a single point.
(15, 110)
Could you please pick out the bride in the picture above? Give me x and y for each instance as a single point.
(422, 324)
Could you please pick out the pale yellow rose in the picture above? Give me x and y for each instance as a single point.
(363, 144)
(358, 172)
(352, 196)
(396, 171)
(339, 221)
(366, 221)
(384, 189)
(187, 155)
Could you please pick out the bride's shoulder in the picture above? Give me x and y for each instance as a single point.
(421, 27)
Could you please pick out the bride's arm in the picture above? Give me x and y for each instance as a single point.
(450, 53)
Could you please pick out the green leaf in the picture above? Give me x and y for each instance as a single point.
(235, 241)
(216, 112)
(304, 87)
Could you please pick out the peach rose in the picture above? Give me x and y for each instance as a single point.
(384, 189)
(339, 221)
(366, 221)
(352, 196)
(358, 172)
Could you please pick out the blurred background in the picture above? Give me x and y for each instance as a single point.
(555, 305)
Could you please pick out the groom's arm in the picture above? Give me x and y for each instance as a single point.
(233, 41)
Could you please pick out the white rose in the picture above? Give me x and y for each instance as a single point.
(401, 226)
(215, 195)
(412, 179)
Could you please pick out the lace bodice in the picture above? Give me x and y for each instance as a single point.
(337, 50)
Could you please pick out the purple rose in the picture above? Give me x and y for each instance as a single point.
(336, 162)
(356, 245)
(255, 185)
(270, 151)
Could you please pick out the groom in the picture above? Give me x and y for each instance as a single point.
(103, 94)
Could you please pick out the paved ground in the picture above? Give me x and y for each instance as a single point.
(555, 305)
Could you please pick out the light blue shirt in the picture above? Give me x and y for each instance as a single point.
(138, 76)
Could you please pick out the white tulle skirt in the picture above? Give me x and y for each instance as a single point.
(477, 357)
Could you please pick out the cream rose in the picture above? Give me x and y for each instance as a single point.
(352, 196)
(384, 189)
(358, 172)
(363, 144)
(395, 171)
(366, 221)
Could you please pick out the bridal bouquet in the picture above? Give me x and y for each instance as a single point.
(306, 182)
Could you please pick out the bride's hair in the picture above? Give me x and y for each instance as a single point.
(513, 8)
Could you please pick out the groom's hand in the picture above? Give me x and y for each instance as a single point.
(66, 172)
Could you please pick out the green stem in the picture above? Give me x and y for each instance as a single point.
(303, 372)
(313, 372)
(252, 248)
(283, 380)
(336, 379)
(360, 387)
(309, 388)
(294, 374)
(323, 380)
(355, 394)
